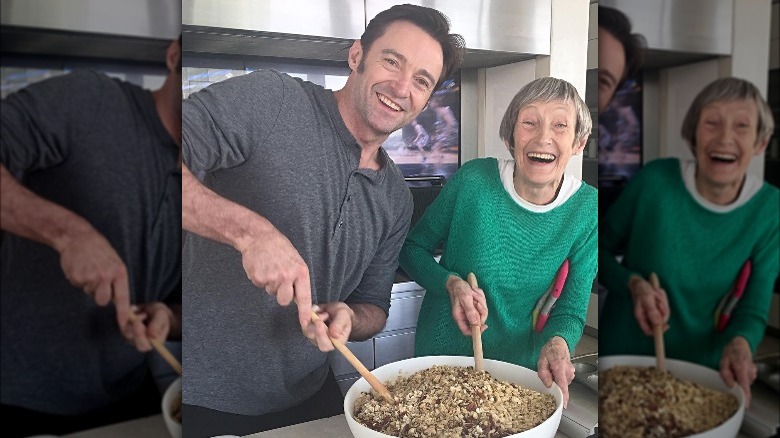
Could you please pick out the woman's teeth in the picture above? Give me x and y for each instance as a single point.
(389, 102)
(727, 158)
(540, 157)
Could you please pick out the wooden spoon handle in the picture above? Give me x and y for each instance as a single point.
(160, 347)
(658, 332)
(370, 378)
(476, 332)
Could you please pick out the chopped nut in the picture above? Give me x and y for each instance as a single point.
(449, 401)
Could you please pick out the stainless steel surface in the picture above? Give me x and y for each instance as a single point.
(587, 374)
(152, 19)
(204, 39)
(768, 371)
(497, 32)
(393, 347)
(520, 26)
(362, 350)
(581, 416)
(39, 42)
(762, 418)
(106, 30)
(695, 26)
(342, 19)
(404, 309)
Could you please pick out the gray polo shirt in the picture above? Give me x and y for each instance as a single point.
(97, 147)
(278, 146)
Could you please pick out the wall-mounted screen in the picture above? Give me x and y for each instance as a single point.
(620, 135)
(429, 146)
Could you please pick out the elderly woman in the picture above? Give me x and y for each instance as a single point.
(698, 225)
(513, 223)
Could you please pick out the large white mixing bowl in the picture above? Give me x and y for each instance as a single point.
(693, 373)
(500, 370)
(173, 392)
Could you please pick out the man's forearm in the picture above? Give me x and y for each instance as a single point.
(367, 321)
(174, 333)
(209, 215)
(28, 215)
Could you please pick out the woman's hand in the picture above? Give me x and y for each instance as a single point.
(469, 306)
(651, 306)
(736, 365)
(555, 365)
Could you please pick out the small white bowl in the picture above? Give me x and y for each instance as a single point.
(693, 373)
(500, 370)
(173, 392)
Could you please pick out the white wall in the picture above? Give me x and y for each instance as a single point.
(593, 36)
(500, 85)
(679, 86)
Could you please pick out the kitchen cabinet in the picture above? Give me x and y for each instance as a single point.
(516, 26)
(339, 19)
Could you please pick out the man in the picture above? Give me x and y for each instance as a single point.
(299, 203)
(620, 53)
(96, 211)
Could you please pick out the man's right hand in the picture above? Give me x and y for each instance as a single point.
(89, 262)
(273, 263)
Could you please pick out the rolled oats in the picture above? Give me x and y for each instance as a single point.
(647, 402)
(449, 401)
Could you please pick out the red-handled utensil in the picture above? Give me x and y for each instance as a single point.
(730, 300)
(546, 303)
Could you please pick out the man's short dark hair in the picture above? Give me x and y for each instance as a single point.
(433, 22)
(617, 24)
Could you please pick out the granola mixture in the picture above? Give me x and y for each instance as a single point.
(176, 409)
(450, 401)
(647, 402)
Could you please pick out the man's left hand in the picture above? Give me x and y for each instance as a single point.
(152, 321)
(339, 325)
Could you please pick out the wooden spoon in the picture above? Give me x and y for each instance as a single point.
(476, 332)
(160, 347)
(370, 378)
(658, 331)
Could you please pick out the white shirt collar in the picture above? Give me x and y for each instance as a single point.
(570, 185)
(751, 187)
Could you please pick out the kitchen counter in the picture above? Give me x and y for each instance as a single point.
(151, 427)
(333, 427)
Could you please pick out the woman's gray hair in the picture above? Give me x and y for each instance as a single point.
(726, 89)
(545, 89)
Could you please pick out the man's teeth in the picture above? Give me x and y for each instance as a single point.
(723, 157)
(389, 102)
(541, 157)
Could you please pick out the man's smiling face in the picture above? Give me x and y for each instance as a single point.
(396, 77)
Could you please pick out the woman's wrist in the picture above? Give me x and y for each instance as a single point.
(633, 281)
(451, 282)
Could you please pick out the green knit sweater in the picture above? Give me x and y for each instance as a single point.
(514, 253)
(697, 254)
